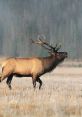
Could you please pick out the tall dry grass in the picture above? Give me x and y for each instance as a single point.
(60, 96)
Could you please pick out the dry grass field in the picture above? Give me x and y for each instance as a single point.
(60, 96)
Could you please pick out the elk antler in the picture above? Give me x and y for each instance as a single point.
(54, 49)
(46, 45)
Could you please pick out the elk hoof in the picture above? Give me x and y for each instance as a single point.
(10, 87)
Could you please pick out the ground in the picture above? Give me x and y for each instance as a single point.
(60, 96)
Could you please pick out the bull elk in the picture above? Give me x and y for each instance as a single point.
(34, 66)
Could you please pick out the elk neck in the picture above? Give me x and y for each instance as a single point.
(50, 62)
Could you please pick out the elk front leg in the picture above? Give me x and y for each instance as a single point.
(39, 80)
(34, 83)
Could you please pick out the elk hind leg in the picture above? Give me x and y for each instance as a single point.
(2, 77)
(34, 81)
(6, 72)
(9, 79)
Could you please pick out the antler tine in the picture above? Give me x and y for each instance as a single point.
(45, 43)
(57, 48)
(40, 42)
(32, 40)
(36, 42)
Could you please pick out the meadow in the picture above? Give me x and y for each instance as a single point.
(60, 95)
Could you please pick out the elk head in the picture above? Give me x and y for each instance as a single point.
(52, 50)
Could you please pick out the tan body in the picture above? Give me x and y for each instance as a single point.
(22, 66)
(34, 67)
